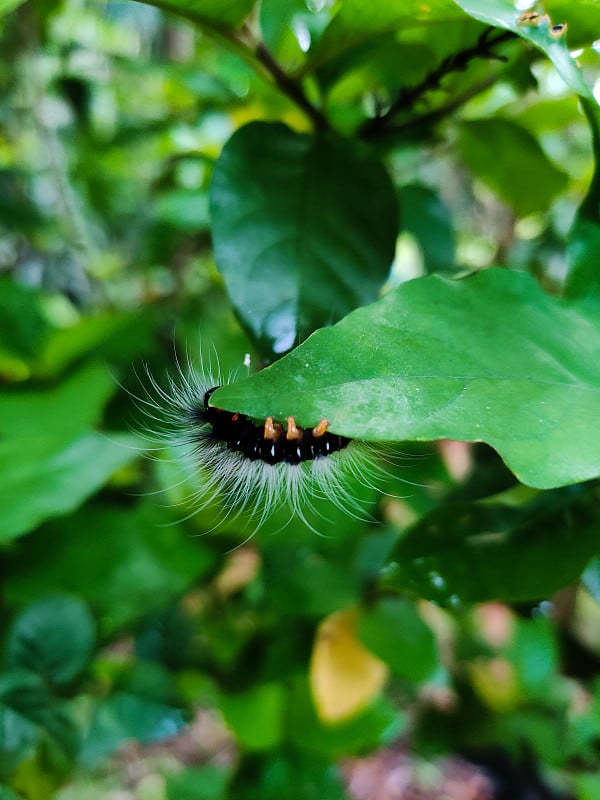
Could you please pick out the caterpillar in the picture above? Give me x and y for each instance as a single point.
(254, 467)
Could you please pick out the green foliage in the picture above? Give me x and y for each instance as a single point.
(200, 783)
(462, 381)
(53, 637)
(467, 553)
(394, 631)
(396, 206)
(255, 716)
(520, 172)
(279, 197)
(541, 33)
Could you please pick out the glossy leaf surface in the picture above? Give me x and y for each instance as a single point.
(54, 638)
(504, 14)
(490, 358)
(304, 229)
(497, 550)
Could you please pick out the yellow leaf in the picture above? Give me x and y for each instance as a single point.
(495, 682)
(344, 675)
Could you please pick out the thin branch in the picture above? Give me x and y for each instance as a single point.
(290, 87)
(409, 95)
(436, 114)
(254, 53)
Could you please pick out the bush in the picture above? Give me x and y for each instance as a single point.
(395, 209)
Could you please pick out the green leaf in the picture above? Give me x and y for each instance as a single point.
(41, 481)
(283, 22)
(183, 209)
(304, 229)
(255, 716)
(303, 582)
(509, 160)
(423, 214)
(23, 324)
(126, 716)
(217, 14)
(54, 637)
(394, 631)
(489, 358)
(588, 786)
(583, 277)
(26, 331)
(120, 337)
(198, 783)
(582, 17)
(33, 726)
(124, 562)
(504, 14)
(357, 22)
(49, 459)
(498, 549)
(6, 6)
(583, 250)
(292, 775)
(534, 654)
(8, 794)
(377, 725)
(60, 412)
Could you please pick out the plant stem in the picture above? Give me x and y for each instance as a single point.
(436, 114)
(408, 96)
(254, 53)
(290, 87)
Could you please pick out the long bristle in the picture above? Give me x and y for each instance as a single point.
(173, 418)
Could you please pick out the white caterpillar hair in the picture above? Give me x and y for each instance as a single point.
(177, 418)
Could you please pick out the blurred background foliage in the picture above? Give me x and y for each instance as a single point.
(147, 653)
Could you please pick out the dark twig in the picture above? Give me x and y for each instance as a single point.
(436, 114)
(456, 62)
(289, 86)
(252, 52)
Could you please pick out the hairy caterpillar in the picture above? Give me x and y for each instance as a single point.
(253, 466)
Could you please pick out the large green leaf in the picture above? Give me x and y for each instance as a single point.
(32, 344)
(118, 337)
(40, 481)
(49, 458)
(490, 358)
(357, 22)
(507, 548)
(219, 14)
(511, 162)
(60, 412)
(504, 14)
(304, 229)
(125, 562)
(53, 637)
